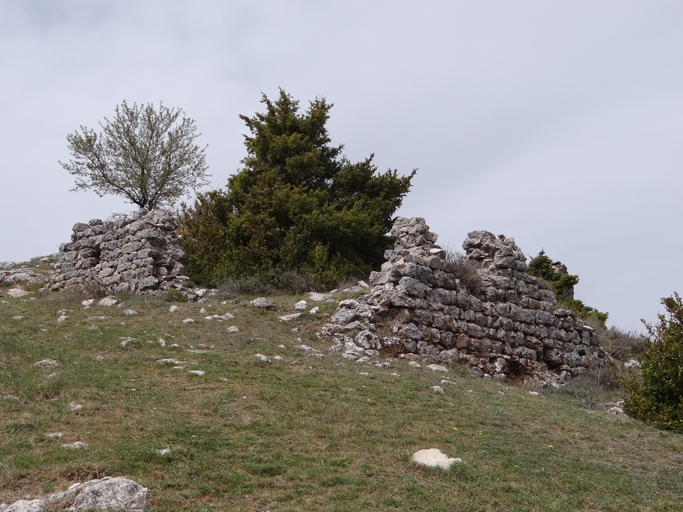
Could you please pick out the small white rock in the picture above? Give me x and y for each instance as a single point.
(196, 372)
(173, 309)
(164, 451)
(262, 358)
(188, 321)
(438, 390)
(287, 318)
(616, 411)
(314, 311)
(99, 358)
(300, 306)
(445, 382)
(279, 358)
(88, 302)
(437, 368)
(261, 302)
(233, 329)
(534, 393)
(394, 374)
(18, 317)
(46, 363)
(202, 311)
(414, 364)
(107, 302)
(54, 435)
(74, 407)
(61, 319)
(434, 458)
(75, 445)
(162, 342)
(281, 346)
(130, 312)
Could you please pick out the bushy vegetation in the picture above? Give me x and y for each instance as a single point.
(464, 270)
(297, 205)
(657, 395)
(561, 285)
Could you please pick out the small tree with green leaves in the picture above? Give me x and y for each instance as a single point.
(657, 395)
(541, 267)
(143, 154)
(297, 204)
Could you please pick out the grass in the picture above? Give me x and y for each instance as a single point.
(301, 434)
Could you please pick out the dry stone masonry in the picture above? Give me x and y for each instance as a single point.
(510, 328)
(140, 252)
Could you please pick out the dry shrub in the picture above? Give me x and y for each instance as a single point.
(618, 343)
(466, 271)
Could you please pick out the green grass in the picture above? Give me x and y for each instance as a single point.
(302, 434)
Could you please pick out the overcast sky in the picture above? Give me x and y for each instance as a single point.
(557, 123)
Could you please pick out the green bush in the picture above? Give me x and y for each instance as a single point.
(657, 396)
(562, 285)
(297, 205)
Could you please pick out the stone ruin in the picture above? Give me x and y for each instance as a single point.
(136, 253)
(507, 327)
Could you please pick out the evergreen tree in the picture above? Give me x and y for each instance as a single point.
(297, 204)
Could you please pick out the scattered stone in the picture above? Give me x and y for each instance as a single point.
(261, 302)
(300, 306)
(314, 311)
(61, 319)
(174, 345)
(226, 316)
(295, 329)
(93, 318)
(188, 321)
(99, 358)
(533, 393)
(616, 411)
(88, 302)
(164, 451)
(17, 293)
(173, 309)
(445, 382)
(434, 458)
(632, 364)
(281, 346)
(107, 302)
(202, 311)
(438, 390)
(162, 342)
(223, 379)
(279, 358)
(363, 373)
(414, 364)
(74, 407)
(262, 358)
(287, 318)
(52, 375)
(319, 297)
(46, 363)
(127, 341)
(170, 360)
(130, 312)
(437, 368)
(18, 317)
(394, 374)
(53, 435)
(197, 351)
(233, 329)
(75, 445)
(196, 372)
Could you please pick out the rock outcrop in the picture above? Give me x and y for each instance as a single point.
(506, 327)
(140, 252)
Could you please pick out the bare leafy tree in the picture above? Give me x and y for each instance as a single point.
(143, 154)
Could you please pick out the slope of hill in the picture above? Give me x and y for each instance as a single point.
(312, 431)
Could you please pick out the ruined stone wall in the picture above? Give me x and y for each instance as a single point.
(509, 327)
(137, 253)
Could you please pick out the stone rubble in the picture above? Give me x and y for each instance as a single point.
(139, 252)
(509, 328)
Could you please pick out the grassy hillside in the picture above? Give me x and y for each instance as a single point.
(305, 433)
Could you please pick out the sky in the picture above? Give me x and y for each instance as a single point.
(556, 123)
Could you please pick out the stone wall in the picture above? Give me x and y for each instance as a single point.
(140, 252)
(509, 327)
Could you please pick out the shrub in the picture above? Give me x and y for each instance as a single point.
(563, 287)
(173, 295)
(657, 396)
(464, 270)
(298, 204)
